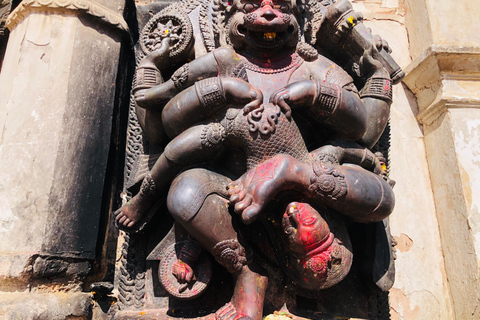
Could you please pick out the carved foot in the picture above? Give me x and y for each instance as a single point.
(254, 190)
(229, 312)
(128, 217)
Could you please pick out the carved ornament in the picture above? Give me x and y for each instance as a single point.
(82, 6)
(5, 7)
(176, 26)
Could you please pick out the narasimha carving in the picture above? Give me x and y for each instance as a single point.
(265, 142)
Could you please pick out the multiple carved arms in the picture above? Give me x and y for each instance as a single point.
(199, 89)
(356, 118)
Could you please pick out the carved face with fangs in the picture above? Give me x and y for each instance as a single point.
(264, 25)
(319, 258)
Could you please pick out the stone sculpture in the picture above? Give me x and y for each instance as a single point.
(263, 133)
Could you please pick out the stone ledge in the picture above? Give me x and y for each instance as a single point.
(88, 7)
(165, 314)
(19, 270)
(444, 77)
(445, 52)
(52, 306)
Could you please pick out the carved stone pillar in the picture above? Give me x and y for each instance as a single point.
(58, 105)
(445, 77)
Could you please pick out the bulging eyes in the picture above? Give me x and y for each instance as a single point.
(249, 7)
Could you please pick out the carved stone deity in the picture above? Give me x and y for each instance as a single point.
(262, 119)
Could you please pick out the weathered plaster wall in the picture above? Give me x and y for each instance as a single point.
(457, 239)
(441, 23)
(445, 77)
(454, 23)
(466, 135)
(420, 290)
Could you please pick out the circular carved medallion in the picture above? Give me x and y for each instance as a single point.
(202, 274)
(177, 27)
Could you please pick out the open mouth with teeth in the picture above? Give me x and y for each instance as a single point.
(266, 38)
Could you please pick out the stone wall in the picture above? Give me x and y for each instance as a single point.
(413, 223)
(434, 155)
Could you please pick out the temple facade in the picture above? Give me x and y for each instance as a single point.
(65, 83)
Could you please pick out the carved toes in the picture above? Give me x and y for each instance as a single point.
(244, 203)
(122, 220)
(249, 214)
(229, 312)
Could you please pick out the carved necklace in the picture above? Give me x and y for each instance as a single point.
(255, 118)
(296, 61)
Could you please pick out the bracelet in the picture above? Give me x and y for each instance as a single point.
(380, 88)
(146, 78)
(190, 252)
(328, 98)
(327, 182)
(148, 187)
(210, 92)
(180, 77)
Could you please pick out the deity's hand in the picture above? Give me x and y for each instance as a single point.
(252, 192)
(294, 95)
(369, 65)
(381, 44)
(341, 14)
(350, 153)
(349, 21)
(159, 56)
(242, 92)
(182, 271)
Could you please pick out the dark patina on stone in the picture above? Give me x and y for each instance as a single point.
(260, 148)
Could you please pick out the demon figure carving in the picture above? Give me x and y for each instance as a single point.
(264, 142)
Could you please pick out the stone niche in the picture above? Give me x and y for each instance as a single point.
(142, 253)
(64, 93)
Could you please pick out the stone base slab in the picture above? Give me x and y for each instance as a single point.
(51, 306)
(164, 314)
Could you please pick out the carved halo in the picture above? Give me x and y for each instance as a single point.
(163, 25)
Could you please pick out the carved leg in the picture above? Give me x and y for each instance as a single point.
(350, 190)
(210, 223)
(248, 297)
(250, 287)
(197, 144)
